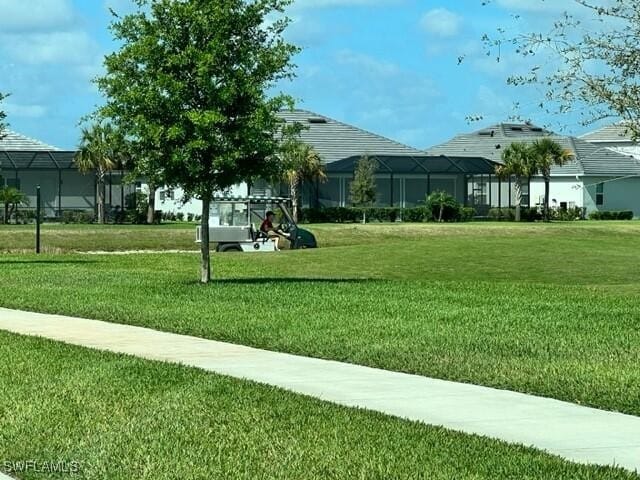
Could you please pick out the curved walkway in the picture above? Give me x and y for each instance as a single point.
(577, 433)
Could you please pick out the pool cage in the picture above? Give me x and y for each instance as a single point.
(62, 186)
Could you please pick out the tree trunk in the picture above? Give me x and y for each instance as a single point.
(546, 199)
(364, 217)
(518, 189)
(441, 213)
(151, 210)
(294, 198)
(205, 257)
(6, 213)
(100, 197)
(12, 208)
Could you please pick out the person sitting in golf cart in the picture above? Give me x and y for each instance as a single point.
(270, 231)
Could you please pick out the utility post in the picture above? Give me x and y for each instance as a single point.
(38, 219)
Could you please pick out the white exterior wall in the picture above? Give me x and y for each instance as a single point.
(193, 206)
(561, 189)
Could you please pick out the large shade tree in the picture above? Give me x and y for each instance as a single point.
(193, 77)
(546, 154)
(3, 117)
(101, 150)
(587, 60)
(300, 163)
(517, 163)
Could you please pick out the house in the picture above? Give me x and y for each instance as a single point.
(26, 163)
(616, 137)
(404, 178)
(597, 179)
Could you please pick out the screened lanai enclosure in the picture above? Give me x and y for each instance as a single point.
(405, 181)
(62, 186)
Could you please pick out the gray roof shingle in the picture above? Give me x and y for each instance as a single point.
(616, 133)
(489, 143)
(334, 140)
(15, 142)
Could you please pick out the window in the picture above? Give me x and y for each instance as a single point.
(600, 194)
(13, 182)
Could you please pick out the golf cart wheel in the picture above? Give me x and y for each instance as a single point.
(229, 248)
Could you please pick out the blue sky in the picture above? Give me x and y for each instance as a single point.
(388, 66)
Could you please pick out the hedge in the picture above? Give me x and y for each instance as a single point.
(622, 215)
(509, 214)
(381, 214)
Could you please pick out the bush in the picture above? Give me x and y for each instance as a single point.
(467, 214)
(190, 217)
(443, 204)
(417, 214)
(567, 215)
(180, 216)
(77, 216)
(509, 214)
(612, 215)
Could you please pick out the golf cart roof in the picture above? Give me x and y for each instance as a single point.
(249, 199)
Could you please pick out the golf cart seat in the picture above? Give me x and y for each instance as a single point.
(257, 234)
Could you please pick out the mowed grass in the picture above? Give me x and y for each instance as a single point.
(60, 238)
(545, 309)
(122, 418)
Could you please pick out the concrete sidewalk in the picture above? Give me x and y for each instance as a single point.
(580, 434)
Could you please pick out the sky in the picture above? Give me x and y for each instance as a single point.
(387, 66)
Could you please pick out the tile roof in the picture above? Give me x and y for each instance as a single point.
(13, 141)
(334, 140)
(615, 133)
(489, 143)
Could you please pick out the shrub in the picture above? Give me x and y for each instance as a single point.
(180, 216)
(190, 217)
(77, 216)
(467, 214)
(444, 207)
(509, 214)
(611, 215)
(567, 215)
(416, 214)
(420, 213)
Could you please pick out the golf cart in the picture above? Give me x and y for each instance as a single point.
(233, 220)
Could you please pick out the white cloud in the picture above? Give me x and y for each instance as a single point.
(367, 64)
(25, 111)
(35, 15)
(343, 3)
(68, 48)
(441, 23)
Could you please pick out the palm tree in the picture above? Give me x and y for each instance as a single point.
(99, 151)
(518, 162)
(11, 197)
(546, 154)
(301, 163)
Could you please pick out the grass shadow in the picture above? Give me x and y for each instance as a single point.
(284, 280)
(45, 262)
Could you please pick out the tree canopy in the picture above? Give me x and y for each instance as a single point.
(363, 186)
(588, 60)
(101, 150)
(300, 163)
(192, 79)
(3, 117)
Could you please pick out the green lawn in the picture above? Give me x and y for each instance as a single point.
(544, 309)
(122, 418)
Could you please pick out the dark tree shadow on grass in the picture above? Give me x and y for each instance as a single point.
(45, 262)
(283, 280)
